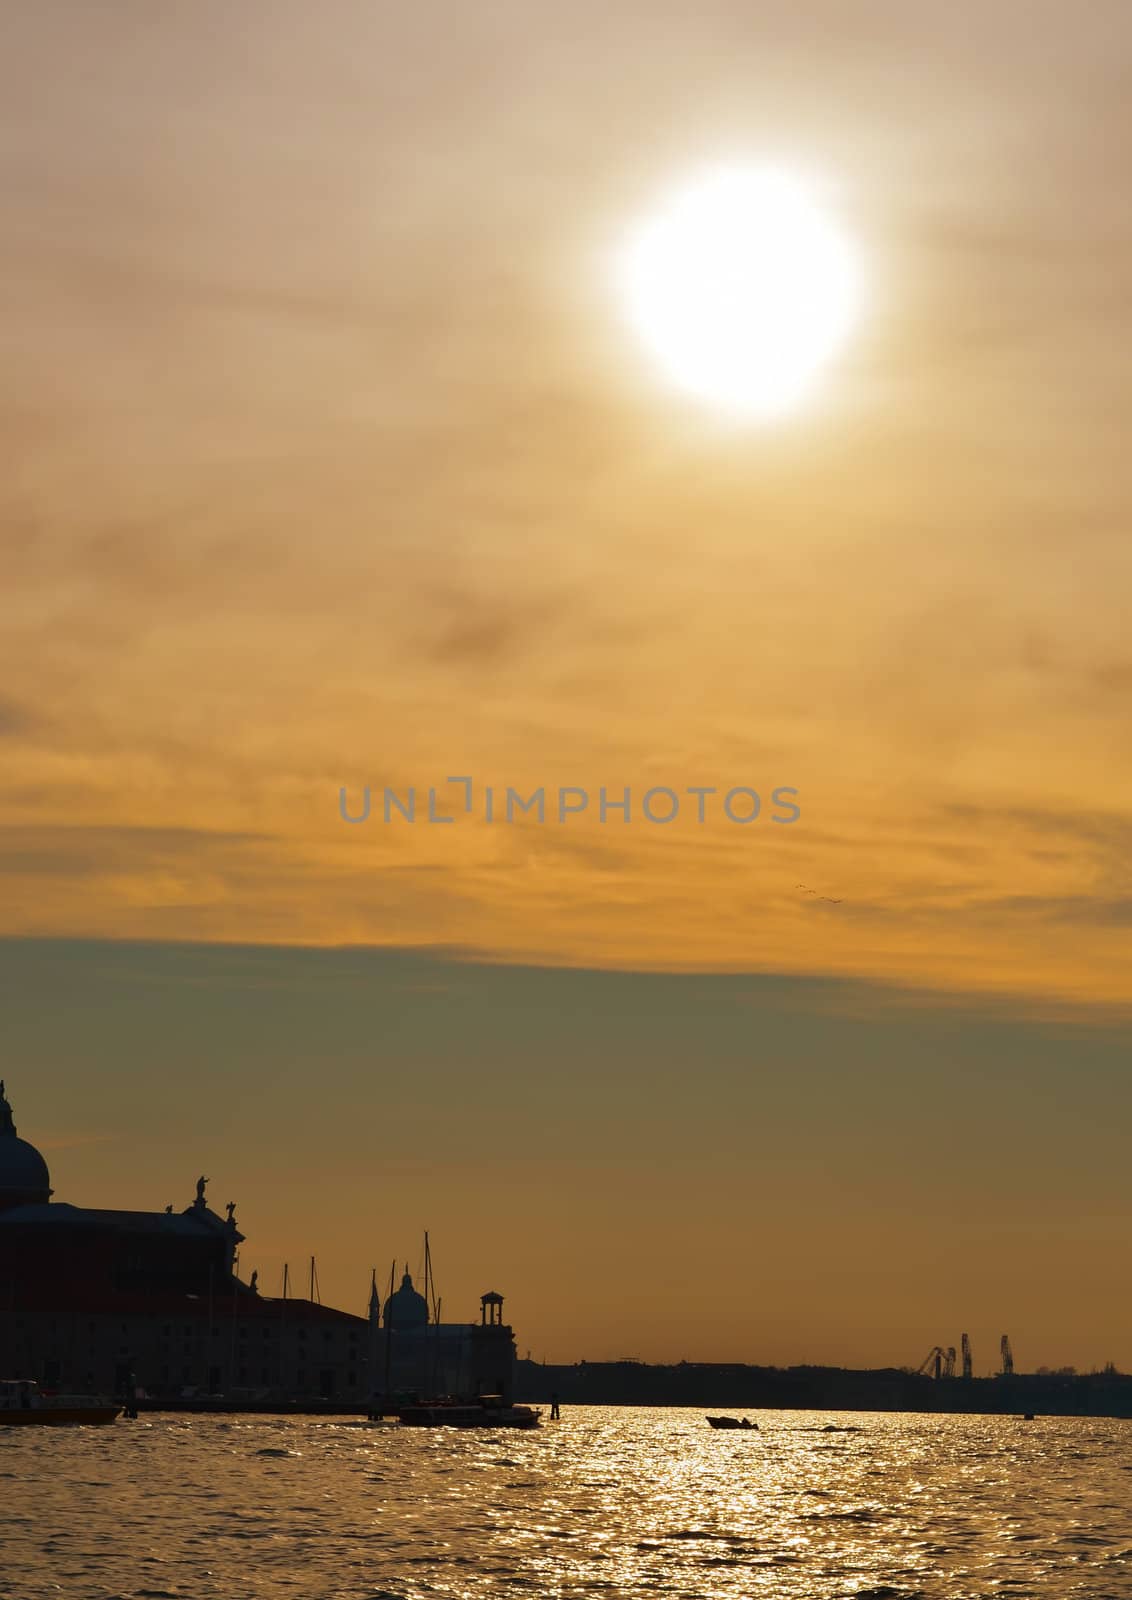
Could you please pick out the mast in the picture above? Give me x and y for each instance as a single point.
(232, 1345)
(431, 1312)
(389, 1332)
(282, 1321)
(430, 1281)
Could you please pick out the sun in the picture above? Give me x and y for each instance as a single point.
(742, 288)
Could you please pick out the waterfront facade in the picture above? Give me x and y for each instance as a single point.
(100, 1301)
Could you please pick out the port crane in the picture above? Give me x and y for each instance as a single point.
(940, 1362)
(934, 1360)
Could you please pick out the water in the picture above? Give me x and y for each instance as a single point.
(609, 1502)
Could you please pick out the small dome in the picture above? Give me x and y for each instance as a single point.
(24, 1179)
(406, 1308)
(23, 1171)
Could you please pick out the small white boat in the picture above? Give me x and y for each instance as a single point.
(23, 1404)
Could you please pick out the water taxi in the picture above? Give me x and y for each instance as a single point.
(488, 1411)
(24, 1404)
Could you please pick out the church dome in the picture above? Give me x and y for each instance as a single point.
(407, 1308)
(24, 1178)
(23, 1171)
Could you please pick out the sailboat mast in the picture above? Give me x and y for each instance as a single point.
(430, 1281)
(389, 1331)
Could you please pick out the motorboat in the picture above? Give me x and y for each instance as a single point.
(24, 1404)
(732, 1422)
(488, 1411)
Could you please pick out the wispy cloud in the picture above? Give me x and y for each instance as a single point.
(17, 719)
(50, 1140)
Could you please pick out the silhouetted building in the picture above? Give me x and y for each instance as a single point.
(96, 1301)
(410, 1352)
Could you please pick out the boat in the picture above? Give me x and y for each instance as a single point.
(488, 1411)
(732, 1422)
(24, 1404)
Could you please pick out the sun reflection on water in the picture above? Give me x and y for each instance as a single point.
(622, 1502)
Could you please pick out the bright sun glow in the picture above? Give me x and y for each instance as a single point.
(742, 290)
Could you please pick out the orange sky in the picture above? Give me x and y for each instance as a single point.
(330, 461)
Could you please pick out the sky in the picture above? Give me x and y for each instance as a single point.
(330, 462)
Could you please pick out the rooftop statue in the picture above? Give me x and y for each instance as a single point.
(231, 1209)
(200, 1190)
(6, 1123)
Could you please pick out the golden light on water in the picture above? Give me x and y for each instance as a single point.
(742, 289)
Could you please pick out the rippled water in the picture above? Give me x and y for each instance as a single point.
(613, 1502)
